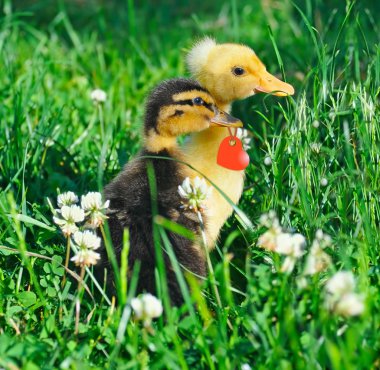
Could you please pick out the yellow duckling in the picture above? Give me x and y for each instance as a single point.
(175, 107)
(229, 72)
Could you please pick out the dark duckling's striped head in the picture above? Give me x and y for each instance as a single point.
(180, 106)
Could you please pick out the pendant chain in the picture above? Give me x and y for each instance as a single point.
(233, 137)
(230, 131)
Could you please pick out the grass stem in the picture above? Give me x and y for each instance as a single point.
(68, 247)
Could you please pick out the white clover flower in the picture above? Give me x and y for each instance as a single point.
(268, 240)
(67, 199)
(299, 242)
(318, 260)
(92, 201)
(98, 96)
(245, 139)
(245, 367)
(94, 207)
(152, 306)
(324, 182)
(341, 283)
(185, 188)
(276, 240)
(86, 240)
(351, 304)
(290, 244)
(340, 297)
(69, 217)
(267, 160)
(316, 147)
(146, 307)
(270, 220)
(315, 124)
(194, 194)
(85, 257)
(284, 244)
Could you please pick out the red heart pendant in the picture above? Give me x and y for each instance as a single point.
(231, 154)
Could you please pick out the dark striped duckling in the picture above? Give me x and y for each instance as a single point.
(176, 107)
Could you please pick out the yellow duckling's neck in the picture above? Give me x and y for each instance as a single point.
(201, 152)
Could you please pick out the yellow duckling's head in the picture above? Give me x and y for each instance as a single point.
(231, 72)
(180, 106)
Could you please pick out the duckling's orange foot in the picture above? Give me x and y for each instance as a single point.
(231, 154)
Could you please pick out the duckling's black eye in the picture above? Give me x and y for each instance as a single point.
(238, 71)
(198, 101)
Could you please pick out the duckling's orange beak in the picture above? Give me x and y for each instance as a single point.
(270, 84)
(224, 119)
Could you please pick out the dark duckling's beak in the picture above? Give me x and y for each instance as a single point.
(224, 119)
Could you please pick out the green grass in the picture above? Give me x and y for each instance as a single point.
(53, 54)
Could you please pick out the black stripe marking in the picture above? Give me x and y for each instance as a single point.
(184, 102)
(209, 106)
(178, 113)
